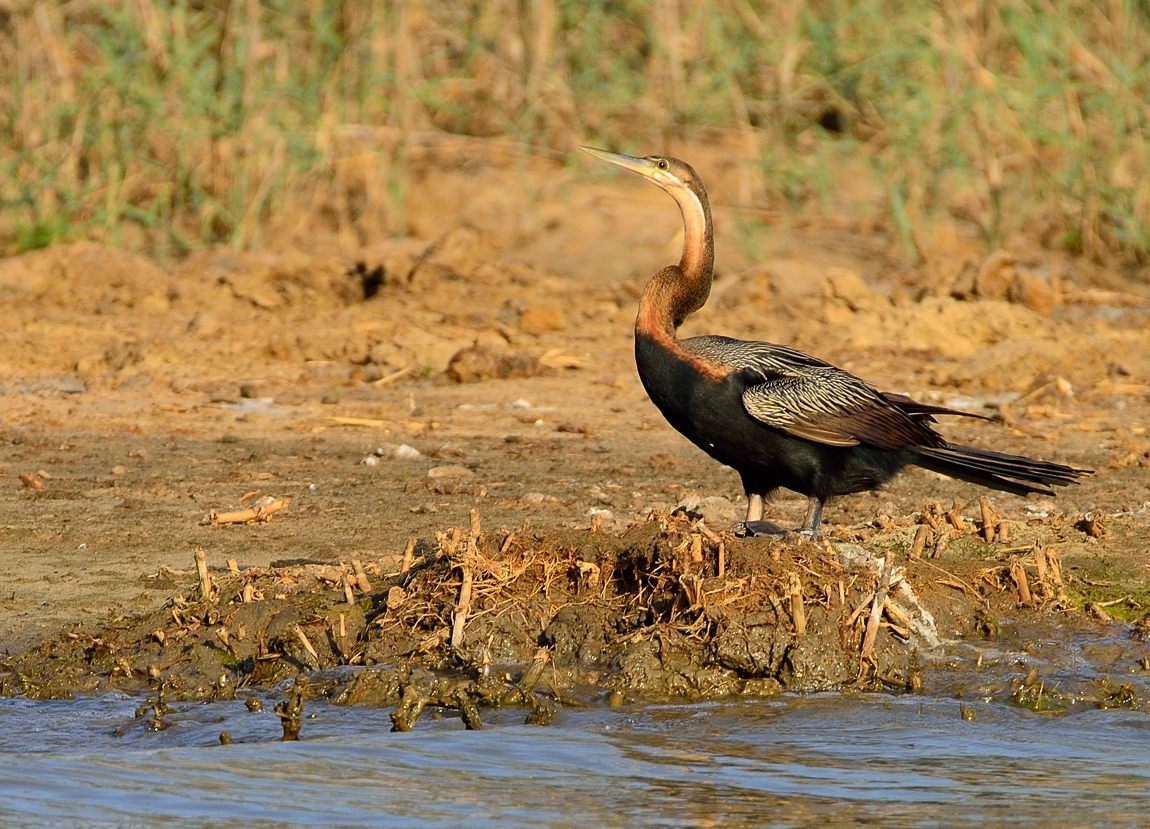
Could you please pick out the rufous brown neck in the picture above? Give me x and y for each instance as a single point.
(677, 291)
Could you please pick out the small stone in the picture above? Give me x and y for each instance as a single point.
(852, 555)
(407, 453)
(452, 471)
(690, 501)
(119, 470)
(533, 498)
(481, 363)
(718, 512)
(250, 391)
(370, 460)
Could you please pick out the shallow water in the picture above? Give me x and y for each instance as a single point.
(825, 759)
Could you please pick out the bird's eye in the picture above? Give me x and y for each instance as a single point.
(662, 164)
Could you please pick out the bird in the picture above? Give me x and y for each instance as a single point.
(781, 418)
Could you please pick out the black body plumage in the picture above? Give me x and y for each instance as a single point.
(782, 418)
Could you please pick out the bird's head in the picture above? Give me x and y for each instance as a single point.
(671, 174)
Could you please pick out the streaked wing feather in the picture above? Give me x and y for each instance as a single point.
(812, 399)
(925, 410)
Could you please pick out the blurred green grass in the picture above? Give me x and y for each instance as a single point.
(167, 126)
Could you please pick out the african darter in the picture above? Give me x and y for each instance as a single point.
(781, 418)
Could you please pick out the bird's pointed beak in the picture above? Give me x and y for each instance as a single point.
(642, 166)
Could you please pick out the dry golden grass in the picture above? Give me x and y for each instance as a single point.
(165, 127)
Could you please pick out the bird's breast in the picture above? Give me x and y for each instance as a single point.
(699, 399)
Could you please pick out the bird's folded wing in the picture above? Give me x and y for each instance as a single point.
(812, 399)
(836, 408)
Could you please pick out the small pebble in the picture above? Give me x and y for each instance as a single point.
(249, 391)
(407, 453)
(370, 460)
(119, 470)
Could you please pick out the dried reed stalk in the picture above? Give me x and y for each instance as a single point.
(1018, 576)
(872, 624)
(307, 645)
(1003, 532)
(263, 512)
(798, 612)
(361, 580)
(987, 519)
(408, 557)
(954, 516)
(206, 591)
(462, 608)
(921, 539)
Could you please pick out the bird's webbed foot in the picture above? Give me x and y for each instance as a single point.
(758, 529)
(755, 527)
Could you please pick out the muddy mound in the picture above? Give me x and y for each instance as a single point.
(667, 609)
(85, 278)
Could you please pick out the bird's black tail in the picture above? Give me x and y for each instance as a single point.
(1009, 473)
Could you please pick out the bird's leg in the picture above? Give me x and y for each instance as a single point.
(755, 525)
(814, 517)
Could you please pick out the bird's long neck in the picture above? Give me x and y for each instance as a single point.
(677, 291)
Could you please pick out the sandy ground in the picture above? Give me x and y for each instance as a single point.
(135, 399)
